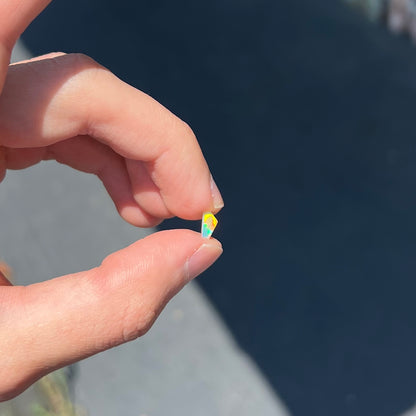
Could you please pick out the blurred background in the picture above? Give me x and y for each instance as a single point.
(305, 112)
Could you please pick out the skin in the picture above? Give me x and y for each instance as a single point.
(71, 109)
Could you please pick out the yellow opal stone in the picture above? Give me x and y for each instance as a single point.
(209, 222)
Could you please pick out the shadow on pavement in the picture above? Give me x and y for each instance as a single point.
(306, 116)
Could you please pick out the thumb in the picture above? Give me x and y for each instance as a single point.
(72, 317)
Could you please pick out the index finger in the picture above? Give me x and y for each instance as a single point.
(51, 100)
(15, 16)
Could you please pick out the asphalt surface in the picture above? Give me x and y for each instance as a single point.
(306, 115)
(59, 221)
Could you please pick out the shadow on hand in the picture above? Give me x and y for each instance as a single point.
(305, 115)
(29, 92)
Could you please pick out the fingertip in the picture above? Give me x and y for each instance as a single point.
(188, 244)
(184, 242)
(203, 258)
(200, 194)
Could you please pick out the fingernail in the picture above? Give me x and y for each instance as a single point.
(204, 257)
(216, 195)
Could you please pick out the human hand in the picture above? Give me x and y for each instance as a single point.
(69, 108)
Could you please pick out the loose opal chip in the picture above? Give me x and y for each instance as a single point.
(209, 222)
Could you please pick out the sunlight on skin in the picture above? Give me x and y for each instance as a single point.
(69, 108)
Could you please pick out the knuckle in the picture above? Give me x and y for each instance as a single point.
(178, 128)
(136, 313)
(82, 60)
(78, 63)
(187, 131)
(137, 321)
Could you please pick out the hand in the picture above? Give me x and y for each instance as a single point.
(69, 108)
